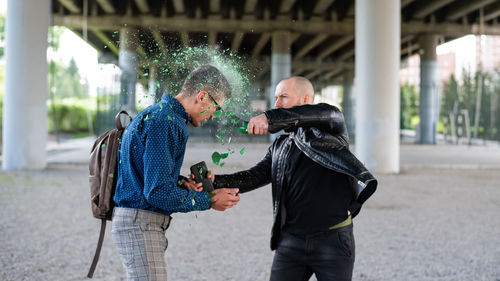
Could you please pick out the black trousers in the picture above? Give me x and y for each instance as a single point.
(329, 255)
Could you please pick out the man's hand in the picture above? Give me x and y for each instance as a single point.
(224, 198)
(191, 184)
(258, 125)
(211, 176)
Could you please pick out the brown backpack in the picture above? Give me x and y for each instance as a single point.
(102, 179)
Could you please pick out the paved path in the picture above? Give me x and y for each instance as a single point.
(436, 220)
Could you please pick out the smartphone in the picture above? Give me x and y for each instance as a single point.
(200, 172)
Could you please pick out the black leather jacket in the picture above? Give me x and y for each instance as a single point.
(319, 132)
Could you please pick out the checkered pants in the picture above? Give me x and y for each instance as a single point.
(139, 236)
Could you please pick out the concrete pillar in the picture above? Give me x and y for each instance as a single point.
(127, 61)
(428, 89)
(154, 91)
(377, 45)
(281, 60)
(281, 64)
(348, 101)
(24, 111)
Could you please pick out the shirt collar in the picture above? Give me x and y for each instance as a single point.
(176, 106)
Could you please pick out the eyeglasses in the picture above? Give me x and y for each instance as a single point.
(217, 106)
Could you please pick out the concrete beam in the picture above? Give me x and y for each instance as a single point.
(214, 6)
(264, 38)
(311, 45)
(238, 38)
(405, 3)
(350, 10)
(185, 38)
(106, 6)
(212, 38)
(105, 39)
(179, 6)
(490, 15)
(180, 23)
(250, 6)
(467, 8)
(430, 7)
(448, 29)
(407, 38)
(286, 5)
(297, 71)
(312, 74)
(142, 5)
(322, 5)
(159, 40)
(301, 66)
(335, 46)
(324, 65)
(163, 10)
(71, 6)
(408, 51)
(332, 73)
(141, 52)
(346, 55)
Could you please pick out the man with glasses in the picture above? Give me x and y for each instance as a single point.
(149, 186)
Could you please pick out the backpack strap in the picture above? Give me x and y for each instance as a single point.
(118, 122)
(98, 249)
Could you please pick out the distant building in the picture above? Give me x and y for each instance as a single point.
(410, 71)
(465, 53)
(488, 52)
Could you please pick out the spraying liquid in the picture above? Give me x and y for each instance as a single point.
(171, 65)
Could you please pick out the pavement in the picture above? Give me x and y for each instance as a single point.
(76, 151)
(435, 220)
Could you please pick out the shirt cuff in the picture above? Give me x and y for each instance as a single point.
(201, 201)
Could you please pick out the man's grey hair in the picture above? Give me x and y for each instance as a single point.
(207, 78)
(302, 85)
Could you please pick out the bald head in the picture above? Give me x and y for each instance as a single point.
(294, 91)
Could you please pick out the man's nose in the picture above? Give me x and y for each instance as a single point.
(277, 103)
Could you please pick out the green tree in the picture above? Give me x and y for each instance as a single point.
(409, 106)
(467, 93)
(2, 33)
(450, 96)
(464, 93)
(64, 84)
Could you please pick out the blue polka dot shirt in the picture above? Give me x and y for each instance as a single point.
(150, 158)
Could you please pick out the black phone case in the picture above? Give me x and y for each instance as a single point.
(200, 171)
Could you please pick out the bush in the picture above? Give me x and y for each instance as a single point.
(70, 117)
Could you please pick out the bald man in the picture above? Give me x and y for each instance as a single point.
(318, 185)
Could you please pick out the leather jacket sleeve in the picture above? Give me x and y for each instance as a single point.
(248, 180)
(325, 117)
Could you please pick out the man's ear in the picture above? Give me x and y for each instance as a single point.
(200, 96)
(307, 99)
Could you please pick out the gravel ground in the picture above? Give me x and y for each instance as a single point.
(430, 222)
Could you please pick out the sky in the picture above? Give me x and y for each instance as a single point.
(72, 46)
(465, 53)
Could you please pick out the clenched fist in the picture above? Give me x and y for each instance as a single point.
(258, 125)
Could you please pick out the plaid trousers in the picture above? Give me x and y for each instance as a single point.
(139, 236)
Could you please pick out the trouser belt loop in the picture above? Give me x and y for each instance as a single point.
(136, 214)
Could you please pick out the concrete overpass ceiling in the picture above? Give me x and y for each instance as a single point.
(322, 30)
